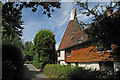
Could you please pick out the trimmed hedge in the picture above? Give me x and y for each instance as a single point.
(59, 71)
(62, 72)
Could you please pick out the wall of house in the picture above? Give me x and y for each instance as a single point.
(62, 55)
(73, 64)
(90, 65)
(87, 65)
(61, 58)
(116, 66)
(63, 63)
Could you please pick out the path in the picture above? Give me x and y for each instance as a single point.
(31, 73)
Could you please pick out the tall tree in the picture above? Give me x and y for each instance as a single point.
(12, 41)
(44, 42)
(27, 54)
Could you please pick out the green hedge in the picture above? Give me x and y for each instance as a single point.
(59, 71)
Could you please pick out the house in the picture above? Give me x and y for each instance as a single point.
(77, 49)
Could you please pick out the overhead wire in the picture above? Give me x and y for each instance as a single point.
(65, 16)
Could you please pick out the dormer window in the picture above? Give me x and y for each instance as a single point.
(80, 40)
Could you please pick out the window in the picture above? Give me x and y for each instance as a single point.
(68, 52)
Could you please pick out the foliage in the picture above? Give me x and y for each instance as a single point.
(28, 45)
(11, 20)
(36, 60)
(59, 72)
(12, 61)
(44, 43)
(27, 55)
(12, 32)
(33, 50)
(11, 15)
(105, 24)
(8, 71)
(13, 41)
(66, 72)
(43, 38)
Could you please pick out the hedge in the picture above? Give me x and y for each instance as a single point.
(62, 72)
(59, 71)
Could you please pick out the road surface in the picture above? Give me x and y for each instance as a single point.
(31, 73)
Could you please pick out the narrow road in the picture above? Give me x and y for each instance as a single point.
(31, 73)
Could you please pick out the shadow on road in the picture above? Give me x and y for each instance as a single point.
(30, 73)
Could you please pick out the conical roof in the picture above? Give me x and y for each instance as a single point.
(73, 29)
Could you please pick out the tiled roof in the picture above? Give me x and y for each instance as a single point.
(72, 35)
(84, 54)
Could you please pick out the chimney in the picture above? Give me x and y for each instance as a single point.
(73, 14)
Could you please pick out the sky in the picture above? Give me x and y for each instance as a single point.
(57, 23)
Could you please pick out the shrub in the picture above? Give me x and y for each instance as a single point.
(8, 71)
(67, 72)
(12, 61)
(59, 71)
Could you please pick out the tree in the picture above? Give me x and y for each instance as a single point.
(44, 43)
(8, 40)
(12, 23)
(27, 55)
(105, 27)
(36, 60)
(11, 15)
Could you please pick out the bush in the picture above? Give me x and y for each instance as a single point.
(8, 71)
(67, 72)
(11, 61)
(59, 71)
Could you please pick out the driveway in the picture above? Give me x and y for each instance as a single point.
(31, 73)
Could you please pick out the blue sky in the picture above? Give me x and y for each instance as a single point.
(34, 22)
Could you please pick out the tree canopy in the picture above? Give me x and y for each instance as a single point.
(27, 54)
(11, 15)
(106, 22)
(44, 43)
